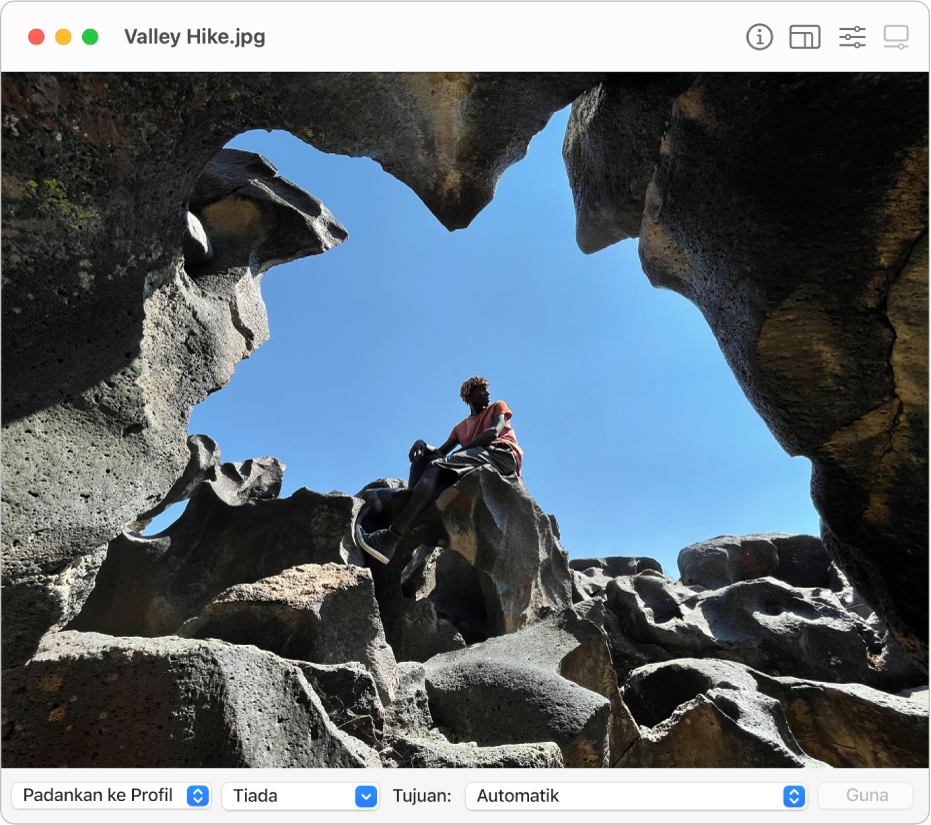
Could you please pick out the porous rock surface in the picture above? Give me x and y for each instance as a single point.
(496, 526)
(813, 281)
(562, 644)
(764, 623)
(233, 531)
(315, 613)
(708, 713)
(91, 701)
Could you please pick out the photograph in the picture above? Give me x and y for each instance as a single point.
(464, 419)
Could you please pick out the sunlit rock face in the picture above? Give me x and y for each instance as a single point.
(792, 210)
(109, 339)
(133, 251)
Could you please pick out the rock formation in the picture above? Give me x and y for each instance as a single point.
(813, 281)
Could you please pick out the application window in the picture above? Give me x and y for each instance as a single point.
(464, 412)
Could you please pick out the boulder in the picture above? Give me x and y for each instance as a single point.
(497, 527)
(852, 726)
(409, 714)
(709, 713)
(439, 753)
(92, 701)
(590, 576)
(798, 560)
(495, 703)
(561, 645)
(763, 623)
(444, 578)
(826, 335)
(230, 533)
(325, 614)
(112, 400)
(614, 566)
(350, 698)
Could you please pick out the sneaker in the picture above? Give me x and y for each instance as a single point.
(381, 544)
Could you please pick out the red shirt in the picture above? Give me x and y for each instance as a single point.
(472, 426)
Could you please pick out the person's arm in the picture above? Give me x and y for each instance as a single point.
(483, 439)
(422, 448)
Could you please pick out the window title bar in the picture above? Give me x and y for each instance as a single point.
(477, 36)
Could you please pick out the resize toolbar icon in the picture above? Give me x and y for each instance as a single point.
(896, 37)
(805, 37)
(853, 37)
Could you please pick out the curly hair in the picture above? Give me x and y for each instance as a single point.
(467, 386)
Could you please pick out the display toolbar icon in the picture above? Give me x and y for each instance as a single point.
(896, 37)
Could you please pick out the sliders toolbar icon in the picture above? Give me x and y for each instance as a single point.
(851, 37)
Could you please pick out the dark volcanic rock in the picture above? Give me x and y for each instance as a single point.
(815, 288)
(205, 455)
(798, 560)
(614, 566)
(562, 645)
(350, 697)
(497, 527)
(444, 578)
(611, 147)
(315, 613)
(708, 713)
(149, 586)
(827, 334)
(110, 400)
(438, 753)
(92, 701)
(590, 576)
(763, 623)
(496, 703)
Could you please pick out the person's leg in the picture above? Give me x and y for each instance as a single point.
(418, 466)
(421, 496)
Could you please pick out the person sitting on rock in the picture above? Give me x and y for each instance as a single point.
(488, 441)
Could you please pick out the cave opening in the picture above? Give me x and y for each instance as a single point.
(621, 396)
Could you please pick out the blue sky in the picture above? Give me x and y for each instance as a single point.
(635, 434)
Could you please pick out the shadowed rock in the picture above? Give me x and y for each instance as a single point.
(611, 147)
(316, 613)
(350, 698)
(497, 527)
(798, 560)
(496, 703)
(763, 623)
(707, 714)
(149, 586)
(590, 576)
(562, 645)
(112, 400)
(826, 334)
(444, 578)
(701, 713)
(92, 701)
(205, 455)
(438, 753)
